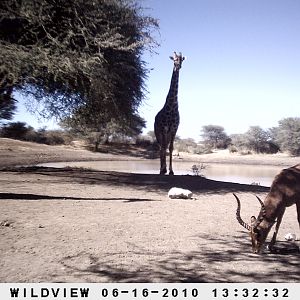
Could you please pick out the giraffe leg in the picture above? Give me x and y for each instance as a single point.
(162, 148)
(163, 163)
(171, 147)
(163, 154)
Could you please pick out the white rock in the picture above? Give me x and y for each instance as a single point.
(290, 237)
(179, 193)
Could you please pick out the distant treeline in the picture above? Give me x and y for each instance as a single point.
(24, 132)
(283, 138)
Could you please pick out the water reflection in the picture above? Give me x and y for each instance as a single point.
(262, 175)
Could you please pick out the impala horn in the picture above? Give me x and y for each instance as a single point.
(238, 214)
(262, 213)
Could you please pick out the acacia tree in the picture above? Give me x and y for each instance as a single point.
(257, 139)
(215, 136)
(287, 135)
(104, 132)
(7, 104)
(76, 58)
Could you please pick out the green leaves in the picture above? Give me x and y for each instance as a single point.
(76, 57)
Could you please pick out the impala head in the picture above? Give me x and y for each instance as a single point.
(178, 59)
(258, 234)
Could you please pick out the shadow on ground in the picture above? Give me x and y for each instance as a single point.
(231, 263)
(20, 196)
(146, 182)
(150, 151)
(221, 258)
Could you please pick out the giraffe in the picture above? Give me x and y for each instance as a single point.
(167, 120)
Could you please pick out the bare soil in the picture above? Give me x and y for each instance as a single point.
(79, 225)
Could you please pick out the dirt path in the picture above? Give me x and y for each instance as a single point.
(76, 225)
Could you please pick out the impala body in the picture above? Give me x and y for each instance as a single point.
(284, 192)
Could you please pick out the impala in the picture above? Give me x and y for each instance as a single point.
(284, 192)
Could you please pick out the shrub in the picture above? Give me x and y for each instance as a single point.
(197, 169)
(232, 149)
(202, 149)
(215, 137)
(16, 130)
(55, 137)
(185, 145)
(287, 135)
(21, 131)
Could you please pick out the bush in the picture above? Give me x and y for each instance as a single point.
(232, 149)
(56, 137)
(16, 130)
(197, 169)
(144, 141)
(287, 135)
(215, 137)
(21, 131)
(185, 145)
(254, 140)
(202, 149)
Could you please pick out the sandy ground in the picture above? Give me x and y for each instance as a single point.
(78, 225)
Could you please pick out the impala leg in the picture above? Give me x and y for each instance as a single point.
(298, 215)
(279, 219)
(298, 211)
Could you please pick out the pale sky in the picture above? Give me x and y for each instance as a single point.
(242, 67)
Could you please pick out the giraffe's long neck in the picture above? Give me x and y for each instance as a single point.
(172, 97)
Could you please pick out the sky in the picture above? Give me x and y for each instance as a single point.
(242, 67)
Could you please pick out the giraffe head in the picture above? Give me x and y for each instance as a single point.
(178, 59)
